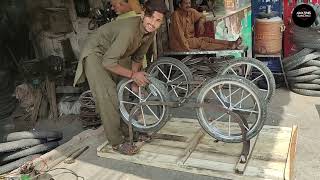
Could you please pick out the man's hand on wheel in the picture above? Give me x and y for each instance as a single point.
(140, 78)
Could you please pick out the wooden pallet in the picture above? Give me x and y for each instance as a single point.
(182, 147)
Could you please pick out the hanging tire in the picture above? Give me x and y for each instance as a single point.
(296, 62)
(259, 69)
(297, 56)
(149, 118)
(301, 71)
(33, 150)
(15, 145)
(168, 69)
(306, 92)
(309, 45)
(251, 105)
(49, 135)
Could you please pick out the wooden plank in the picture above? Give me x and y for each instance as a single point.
(35, 112)
(167, 161)
(191, 147)
(289, 171)
(205, 156)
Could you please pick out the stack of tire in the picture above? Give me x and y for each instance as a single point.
(303, 72)
(7, 101)
(303, 68)
(20, 147)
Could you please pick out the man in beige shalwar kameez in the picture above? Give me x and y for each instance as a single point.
(182, 31)
(105, 57)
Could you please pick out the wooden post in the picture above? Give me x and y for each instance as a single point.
(51, 93)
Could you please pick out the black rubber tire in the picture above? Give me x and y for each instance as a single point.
(175, 62)
(301, 71)
(166, 117)
(296, 62)
(304, 78)
(298, 55)
(16, 164)
(307, 92)
(316, 81)
(253, 132)
(317, 72)
(313, 63)
(305, 86)
(309, 45)
(258, 64)
(33, 150)
(15, 145)
(49, 135)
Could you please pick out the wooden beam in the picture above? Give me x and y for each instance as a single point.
(191, 147)
(289, 170)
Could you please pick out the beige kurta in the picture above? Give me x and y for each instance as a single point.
(116, 41)
(182, 33)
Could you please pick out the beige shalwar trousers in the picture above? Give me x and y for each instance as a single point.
(103, 85)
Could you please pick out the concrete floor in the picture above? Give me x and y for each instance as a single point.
(286, 109)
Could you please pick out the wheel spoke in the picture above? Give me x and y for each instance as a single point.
(181, 88)
(163, 73)
(246, 110)
(144, 120)
(218, 98)
(233, 71)
(133, 92)
(147, 97)
(176, 78)
(126, 102)
(174, 90)
(257, 78)
(152, 112)
(230, 99)
(242, 100)
(217, 118)
(170, 72)
(247, 71)
(229, 127)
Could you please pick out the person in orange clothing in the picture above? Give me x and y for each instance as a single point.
(182, 31)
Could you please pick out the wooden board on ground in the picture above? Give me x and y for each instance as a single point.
(269, 159)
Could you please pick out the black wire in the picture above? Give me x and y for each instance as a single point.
(70, 171)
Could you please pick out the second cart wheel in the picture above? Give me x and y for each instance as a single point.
(253, 70)
(174, 74)
(243, 98)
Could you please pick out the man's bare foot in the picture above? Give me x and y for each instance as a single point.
(126, 148)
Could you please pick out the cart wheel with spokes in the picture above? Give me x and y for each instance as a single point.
(149, 118)
(253, 70)
(243, 97)
(174, 74)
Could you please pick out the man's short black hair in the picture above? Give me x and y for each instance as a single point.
(155, 5)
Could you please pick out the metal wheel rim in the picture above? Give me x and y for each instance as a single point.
(259, 69)
(125, 114)
(202, 114)
(181, 71)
